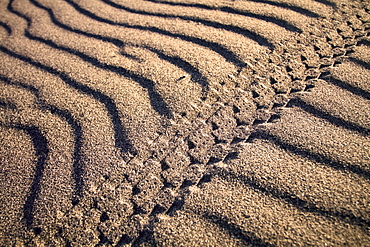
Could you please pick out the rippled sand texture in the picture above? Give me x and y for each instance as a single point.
(184, 123)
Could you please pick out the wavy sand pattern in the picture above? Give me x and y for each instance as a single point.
(184, 123)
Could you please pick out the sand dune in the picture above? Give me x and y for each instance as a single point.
(184, 123)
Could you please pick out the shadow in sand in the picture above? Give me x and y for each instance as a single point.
(247, 238)
(155, 98)
(114, 41)
(6, 27)
(360, 62)
(364, 42)
(289, 6)
(345, 85)
(7, 104)
(42, 150)
(232, 28)
(203, 6)
(227, 54)
(294, 200)
(196, 75)
(145, 236)
(176, 61)
(334, 120)
(78, 169)
(40, 145)
(326, 2)
(121, 140)
(320, 158)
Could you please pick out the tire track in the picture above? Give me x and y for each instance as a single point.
(341, 213)
(353, 219)
(158, 180)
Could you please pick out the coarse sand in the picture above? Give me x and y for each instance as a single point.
(184, 123)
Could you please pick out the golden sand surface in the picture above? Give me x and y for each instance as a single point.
(184, 123)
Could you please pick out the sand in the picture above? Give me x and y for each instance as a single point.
(184, 123)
